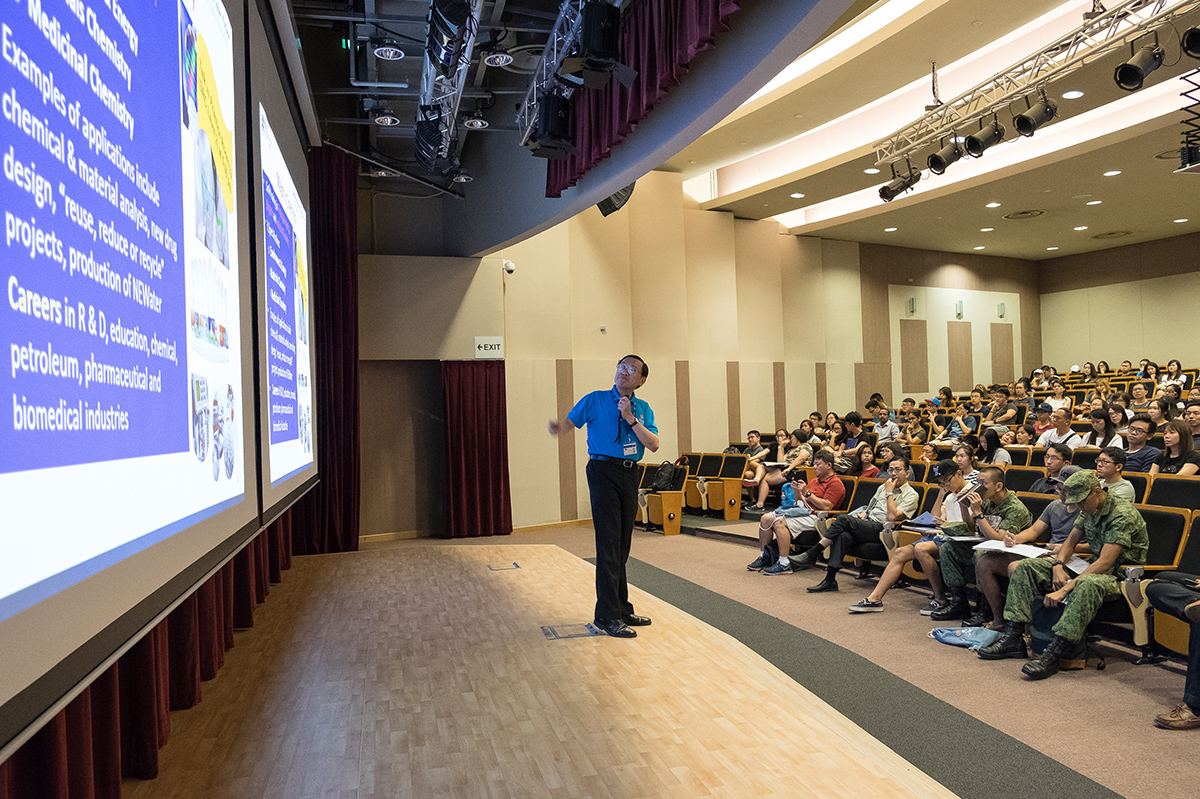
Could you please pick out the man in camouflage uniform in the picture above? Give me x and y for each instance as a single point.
(1114, 530)
(994, 512)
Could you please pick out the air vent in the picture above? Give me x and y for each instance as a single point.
(1113, 234)
(1167, 155)
(1030, 214)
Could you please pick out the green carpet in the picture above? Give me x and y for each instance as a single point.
(969, 757)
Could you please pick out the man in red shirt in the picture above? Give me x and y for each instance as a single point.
(825, 492)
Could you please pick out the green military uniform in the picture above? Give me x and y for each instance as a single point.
(956, 556)
(1115, 522)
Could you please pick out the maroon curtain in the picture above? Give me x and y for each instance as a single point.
(326, 518)
(478, 501)
(658, 38)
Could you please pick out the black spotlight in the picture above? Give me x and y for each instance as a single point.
(616, 201)
(991, 134)
(1190, 42)
(552, 134)
(943, 158)
(1129, 76)
(1039, 114)
(898, 186)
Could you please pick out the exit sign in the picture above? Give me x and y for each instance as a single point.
(489, 346)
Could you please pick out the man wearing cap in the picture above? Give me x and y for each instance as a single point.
(620, 427)
(1116, 532)
(1041, 422)
(1061, 431)
(1057, 459)
(995, 512)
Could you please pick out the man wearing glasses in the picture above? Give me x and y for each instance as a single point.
(1109, 464)
(620, 427)
(1139, 456)
(1058, 468)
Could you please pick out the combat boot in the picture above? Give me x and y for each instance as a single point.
(1047, 664)
(958, 607)
(1010, 644)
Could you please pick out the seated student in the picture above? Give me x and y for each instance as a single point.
(1041, 422)
(1057, 461)
(1170, 395)
(1025, 436)
(824, 493)
(1022, 395)
(1109, 465)
(907, 404)
(757, 453)
(1161, 411)
(1141, 400)
(1120, 422)
(1140, 456)
(1193, 393)
(959, 426)
(1191, 415)
(1152, 374)
(885, 429)
(951, 508)
(929, 454)
(1104, 432)
(1116, 532)
(945, 398)
(990, 450)
(1178, 594)
(990, 567)
(1100, 391)
(835, 441)
(796, 455)
(1087, 372)
(862, 461)
(1126, 369)
(1176, 376)
(1084, 410)
(994, 511)
(1061, 398)
(853, 424)
(914, 433)
(1039, 380)
(1178, 455)
(1061, 432)
(1102, 367)
(1002, 410)
(975, 403)
(894, 501)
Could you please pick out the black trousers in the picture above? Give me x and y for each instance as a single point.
(1169, 594)
(613, 489)
(845, 532)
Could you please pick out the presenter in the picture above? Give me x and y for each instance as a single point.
(620, 427)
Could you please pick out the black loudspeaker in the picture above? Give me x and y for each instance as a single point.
(552, 134)
(618, 199)
(598, 30)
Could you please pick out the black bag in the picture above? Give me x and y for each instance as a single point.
(667, 477)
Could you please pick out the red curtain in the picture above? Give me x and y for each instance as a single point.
(659, 39)
(478, 501)
(326, 519)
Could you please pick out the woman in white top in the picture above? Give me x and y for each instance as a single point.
(1060, 399)
(1104, 432)
(1174, 374)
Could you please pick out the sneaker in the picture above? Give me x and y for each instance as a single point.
(781, 567)
(758, 565)
(820, 522)
(755, 508)
(933, 607)
(750, 483)
(867, 606)
(1181, 717)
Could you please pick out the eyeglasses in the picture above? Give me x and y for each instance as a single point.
(1104, 462)
(627, 368)
(1141, 431)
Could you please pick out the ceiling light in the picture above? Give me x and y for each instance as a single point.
(1129, 76)
(498, 58)
(387, 50)
(943, 158)
(992, 205)
(1039, 114)
(475, 121)
(1082, 227)
(889, 230)
(978, 248)
(899, 185)
(385, 118)
(1093, 202)
(871, 170)
(986, 229)
(1074, 94)
(462, 177)
(1112, 173)
(796, 195)
(1051, 248)
(1190, 42)
(989, 136)
(1177, 221)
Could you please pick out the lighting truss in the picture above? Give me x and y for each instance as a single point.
(444, 93)
(563, 37)
(1097, 37)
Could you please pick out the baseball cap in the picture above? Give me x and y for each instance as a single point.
(1078, 486)
(1063, 474)
(1043, 408)
(944, 468)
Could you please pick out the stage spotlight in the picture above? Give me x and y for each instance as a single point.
(1190, 42)
(991, 134)
(898, 186)
(1039, 114)
(943, 158)
(1129, 76)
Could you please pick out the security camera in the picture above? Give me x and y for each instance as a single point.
(509, 266)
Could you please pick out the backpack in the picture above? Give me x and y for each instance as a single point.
(666, 477)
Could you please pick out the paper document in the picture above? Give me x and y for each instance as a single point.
(1024, 550)
(964, 539)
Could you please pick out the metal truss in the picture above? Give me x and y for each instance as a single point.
(445, 93)
(1096, 38)
(562, 39)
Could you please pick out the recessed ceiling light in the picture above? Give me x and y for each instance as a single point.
(889, 230)
(979, 248)
(1074, 94)
(388, 51)
(1051, 248)
(799, 116)
(1093, 202)
(766, 205)
(992, 205)
(797, 195)
(1112, 173)
(986, 229)
(1082, 227)
(871, 170)
(1179, 220)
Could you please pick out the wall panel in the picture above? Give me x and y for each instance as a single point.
(914, 357)
(961, 356)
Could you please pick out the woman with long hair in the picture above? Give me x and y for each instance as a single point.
(1174, 374)
(1104, 432)
(1102, 368)
(1088, 372)
(945, 397)
(1120, 422)
(1177, 457)
(862, 461)
(1151, 373)
(1026, 436)
(836, 442)
(990, 451)
(1061, 398)
(1100, 390)
(1160, 411)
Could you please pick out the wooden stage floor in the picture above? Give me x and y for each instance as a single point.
(425, 671)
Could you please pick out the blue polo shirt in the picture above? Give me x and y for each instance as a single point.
(607, 432)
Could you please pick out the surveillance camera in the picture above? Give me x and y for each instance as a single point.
(509, 266)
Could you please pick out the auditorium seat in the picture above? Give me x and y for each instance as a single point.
(1175, 491)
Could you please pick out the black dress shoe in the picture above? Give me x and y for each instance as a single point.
(633, 620)
(614, 627)
(825, 585)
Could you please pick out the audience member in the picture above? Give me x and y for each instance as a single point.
(1104, 432)
(862, 461)
(1026, 435)
(1022, 395)
(1152, 374)
(1142, 367)
(1002, 411)
(1191, 415)
(1088, 372)
(1102, 367)
(794, 519)
(1040, 380)
(975, 403)
(1110, 463)
(1116, 532)
(1042, 421)
(1060, 398)
(964, 458)
(945, 397)
(835, 442)
(1120, 422)
(796, 455)
(914, 433)
(994, 511)
(929, 453)
(1176, 376)
(1101, 391)
(757, 453)
(1058, 467)
(990, 451)
(1126, 369)
(1170, 395)
(853, 424)
(1160, 410)
(960, 425)
(1141, 399)
(1178, 594)
(1061, 431)
(894, 501)
(1178, 455)
(885, 429)
(1139, 455)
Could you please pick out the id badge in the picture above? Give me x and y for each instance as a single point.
(630, 449)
